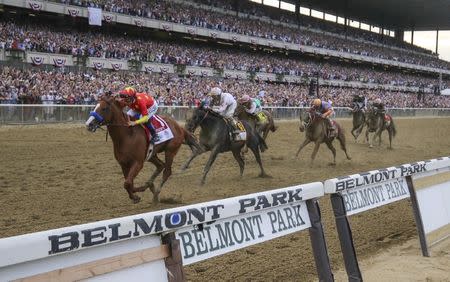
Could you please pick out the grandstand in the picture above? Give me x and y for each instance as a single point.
(178, 49)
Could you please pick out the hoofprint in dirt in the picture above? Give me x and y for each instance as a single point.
(55, 176)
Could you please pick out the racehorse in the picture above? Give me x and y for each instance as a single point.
(215, 136)
(262, 129)
(376, 123)
(316, 130)
(130, 145)
(359, 120)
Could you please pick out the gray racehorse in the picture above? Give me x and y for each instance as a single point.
(216, 136)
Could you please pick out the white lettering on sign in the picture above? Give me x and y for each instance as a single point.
(372, 196)
(204, 241)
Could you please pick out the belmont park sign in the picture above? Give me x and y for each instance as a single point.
(257, 215)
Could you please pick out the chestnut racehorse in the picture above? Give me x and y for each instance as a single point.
(130, 145)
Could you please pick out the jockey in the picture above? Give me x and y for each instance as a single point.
(325, 109)
(252, 105)
(227, 104)
(142, 106)
(381, 108)
(359, 102)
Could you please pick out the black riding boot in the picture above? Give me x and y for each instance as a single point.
(154, 138)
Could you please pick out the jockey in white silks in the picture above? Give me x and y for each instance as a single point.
(227, 105)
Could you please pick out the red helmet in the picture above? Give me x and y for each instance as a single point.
(128, 92)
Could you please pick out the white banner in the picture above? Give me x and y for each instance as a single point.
(377, 176)
(95, 16)
(372, 196)
(216, 238)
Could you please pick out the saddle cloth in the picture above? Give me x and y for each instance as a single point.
(161, 128)
(387, 118)
(261, 116)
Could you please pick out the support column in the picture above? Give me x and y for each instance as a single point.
(297, 12)
(412, 36)
(437, 40)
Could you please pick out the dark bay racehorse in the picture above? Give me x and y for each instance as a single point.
(262, 129)
(316, 130)
(215, 137)
(376, 124)
(130, 145)
(359, 120)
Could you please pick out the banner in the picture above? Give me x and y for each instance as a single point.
(216, 238)
(95, 16)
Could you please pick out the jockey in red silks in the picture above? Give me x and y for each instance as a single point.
(143, 107)
(325, 109)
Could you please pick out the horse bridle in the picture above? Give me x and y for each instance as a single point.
(101, 120)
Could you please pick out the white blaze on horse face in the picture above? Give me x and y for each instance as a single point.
(91, 118)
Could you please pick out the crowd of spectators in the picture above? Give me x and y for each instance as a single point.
(44, 38)
(183, 13)
(57, 87)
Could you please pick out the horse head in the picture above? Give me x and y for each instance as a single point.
(307, 118)
(194, 118)
(374, 118)
(104, 113)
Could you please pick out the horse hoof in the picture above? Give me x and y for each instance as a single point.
(156, 199)
(136, 199)
(331, 164)
(370, 146)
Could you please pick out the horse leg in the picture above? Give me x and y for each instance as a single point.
(238, 157)
(169, 156)
(333, 150)
(306, 142)
(194, 154)
(257, 155)
(314, 153)
(390, 138)
(341, 138)
(212, 158)
(159, 167)
(130, 174)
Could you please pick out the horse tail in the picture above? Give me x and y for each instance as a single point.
(394, 130)
(273, 127)
(341, 136)
(191, 141)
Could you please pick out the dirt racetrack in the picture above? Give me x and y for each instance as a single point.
(60, 175)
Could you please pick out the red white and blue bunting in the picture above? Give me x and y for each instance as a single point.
(35, 6)
(59, 62)
(107, 18)
(139, 23)
(148, 68)
(116, 66)
(36, 60)
(98, 65)
(73, 12)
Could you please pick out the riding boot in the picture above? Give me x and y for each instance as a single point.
(154, 137)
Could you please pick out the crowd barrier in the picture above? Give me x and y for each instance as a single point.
(358, 193)
(162, 242)
(42, 114)
(130, 248)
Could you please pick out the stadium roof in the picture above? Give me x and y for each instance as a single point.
(390, 14)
